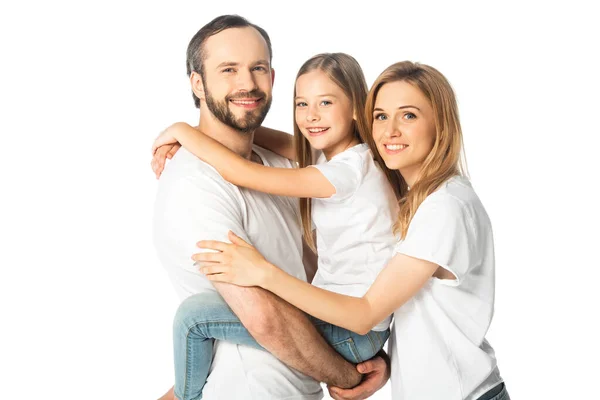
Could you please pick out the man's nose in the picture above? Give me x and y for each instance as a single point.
(246, 80)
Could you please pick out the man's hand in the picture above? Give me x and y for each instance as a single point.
(377, 372)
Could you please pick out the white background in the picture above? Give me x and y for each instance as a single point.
(85, 87)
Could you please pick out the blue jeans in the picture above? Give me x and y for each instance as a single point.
(204, 317)
(496, 393)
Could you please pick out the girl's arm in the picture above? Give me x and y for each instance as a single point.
(241, 264)
(303, 182)
(277, 141)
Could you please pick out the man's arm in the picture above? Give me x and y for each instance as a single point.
(377, 372)
(200, 211)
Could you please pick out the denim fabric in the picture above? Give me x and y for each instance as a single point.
(496, 393)
(204, 317)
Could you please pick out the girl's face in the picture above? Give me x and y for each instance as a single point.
(324, 113)
(403, 128)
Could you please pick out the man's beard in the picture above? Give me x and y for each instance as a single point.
(251, 119)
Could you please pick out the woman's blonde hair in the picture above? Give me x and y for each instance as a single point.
(347, 74)
(446, 158)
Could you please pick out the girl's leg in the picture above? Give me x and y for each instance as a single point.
(199, 320)
(353, 347)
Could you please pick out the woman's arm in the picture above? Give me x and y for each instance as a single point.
(277, 141)
(240, 264)
(302, 182)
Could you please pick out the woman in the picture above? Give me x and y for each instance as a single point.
(440, 282)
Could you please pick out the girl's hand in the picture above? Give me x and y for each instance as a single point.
(160, 157)
(237, 263)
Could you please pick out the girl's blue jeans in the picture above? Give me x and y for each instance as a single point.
(204, 317)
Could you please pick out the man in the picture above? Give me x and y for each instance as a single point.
(229, 65)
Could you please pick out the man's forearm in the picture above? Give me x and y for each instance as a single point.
(288, 334)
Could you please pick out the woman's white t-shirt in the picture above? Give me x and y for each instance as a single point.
(354, 227)
(438, 345)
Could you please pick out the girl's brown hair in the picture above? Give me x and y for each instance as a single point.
(347, 74)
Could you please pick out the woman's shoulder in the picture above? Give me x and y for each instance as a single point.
(456, 197)
(454, 194)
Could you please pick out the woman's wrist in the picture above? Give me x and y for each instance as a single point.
(270, 275)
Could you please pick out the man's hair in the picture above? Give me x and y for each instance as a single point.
(196, 54)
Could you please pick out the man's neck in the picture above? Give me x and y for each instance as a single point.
(234, 140)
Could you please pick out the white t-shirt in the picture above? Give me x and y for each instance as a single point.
(354, 227)
(193, 203)
(438, 345)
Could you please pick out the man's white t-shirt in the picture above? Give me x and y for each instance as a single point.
(438, 345)
(194, 203)
(354, 227)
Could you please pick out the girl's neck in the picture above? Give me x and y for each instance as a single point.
(340, 147)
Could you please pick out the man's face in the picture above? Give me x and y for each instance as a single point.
(238, 79)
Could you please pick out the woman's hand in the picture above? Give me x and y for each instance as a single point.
(237, 263)
(160, 157)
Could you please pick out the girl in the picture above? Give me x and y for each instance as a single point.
(440, 282)
(352, 211)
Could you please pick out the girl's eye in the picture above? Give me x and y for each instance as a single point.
(300, 104)
(380, 117)
(325, 103)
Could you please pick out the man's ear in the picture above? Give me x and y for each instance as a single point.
(197, 86)
(272, 76)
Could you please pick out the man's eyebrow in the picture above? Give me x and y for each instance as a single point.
(321, 95)
(399, 108)
(228, 64)
(235, 64)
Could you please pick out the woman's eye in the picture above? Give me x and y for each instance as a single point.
(380, 117)
(409, 115)
(300, 104)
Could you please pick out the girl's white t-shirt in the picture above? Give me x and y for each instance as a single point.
(438, 345)
(354, 227)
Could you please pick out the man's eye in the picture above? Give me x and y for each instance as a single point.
(260, 68)
(228, 70)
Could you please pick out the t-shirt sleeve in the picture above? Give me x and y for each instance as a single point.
(442, 232)
(197, 211)
(345, 173)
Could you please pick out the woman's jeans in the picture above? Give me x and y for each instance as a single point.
(203, 317)
(496, 393)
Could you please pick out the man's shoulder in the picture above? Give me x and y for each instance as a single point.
(271, 159)
(187, 178)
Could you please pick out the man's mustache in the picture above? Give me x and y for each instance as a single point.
(245, 95)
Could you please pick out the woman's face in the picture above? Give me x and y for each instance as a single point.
(323, 113)
(403, 128)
